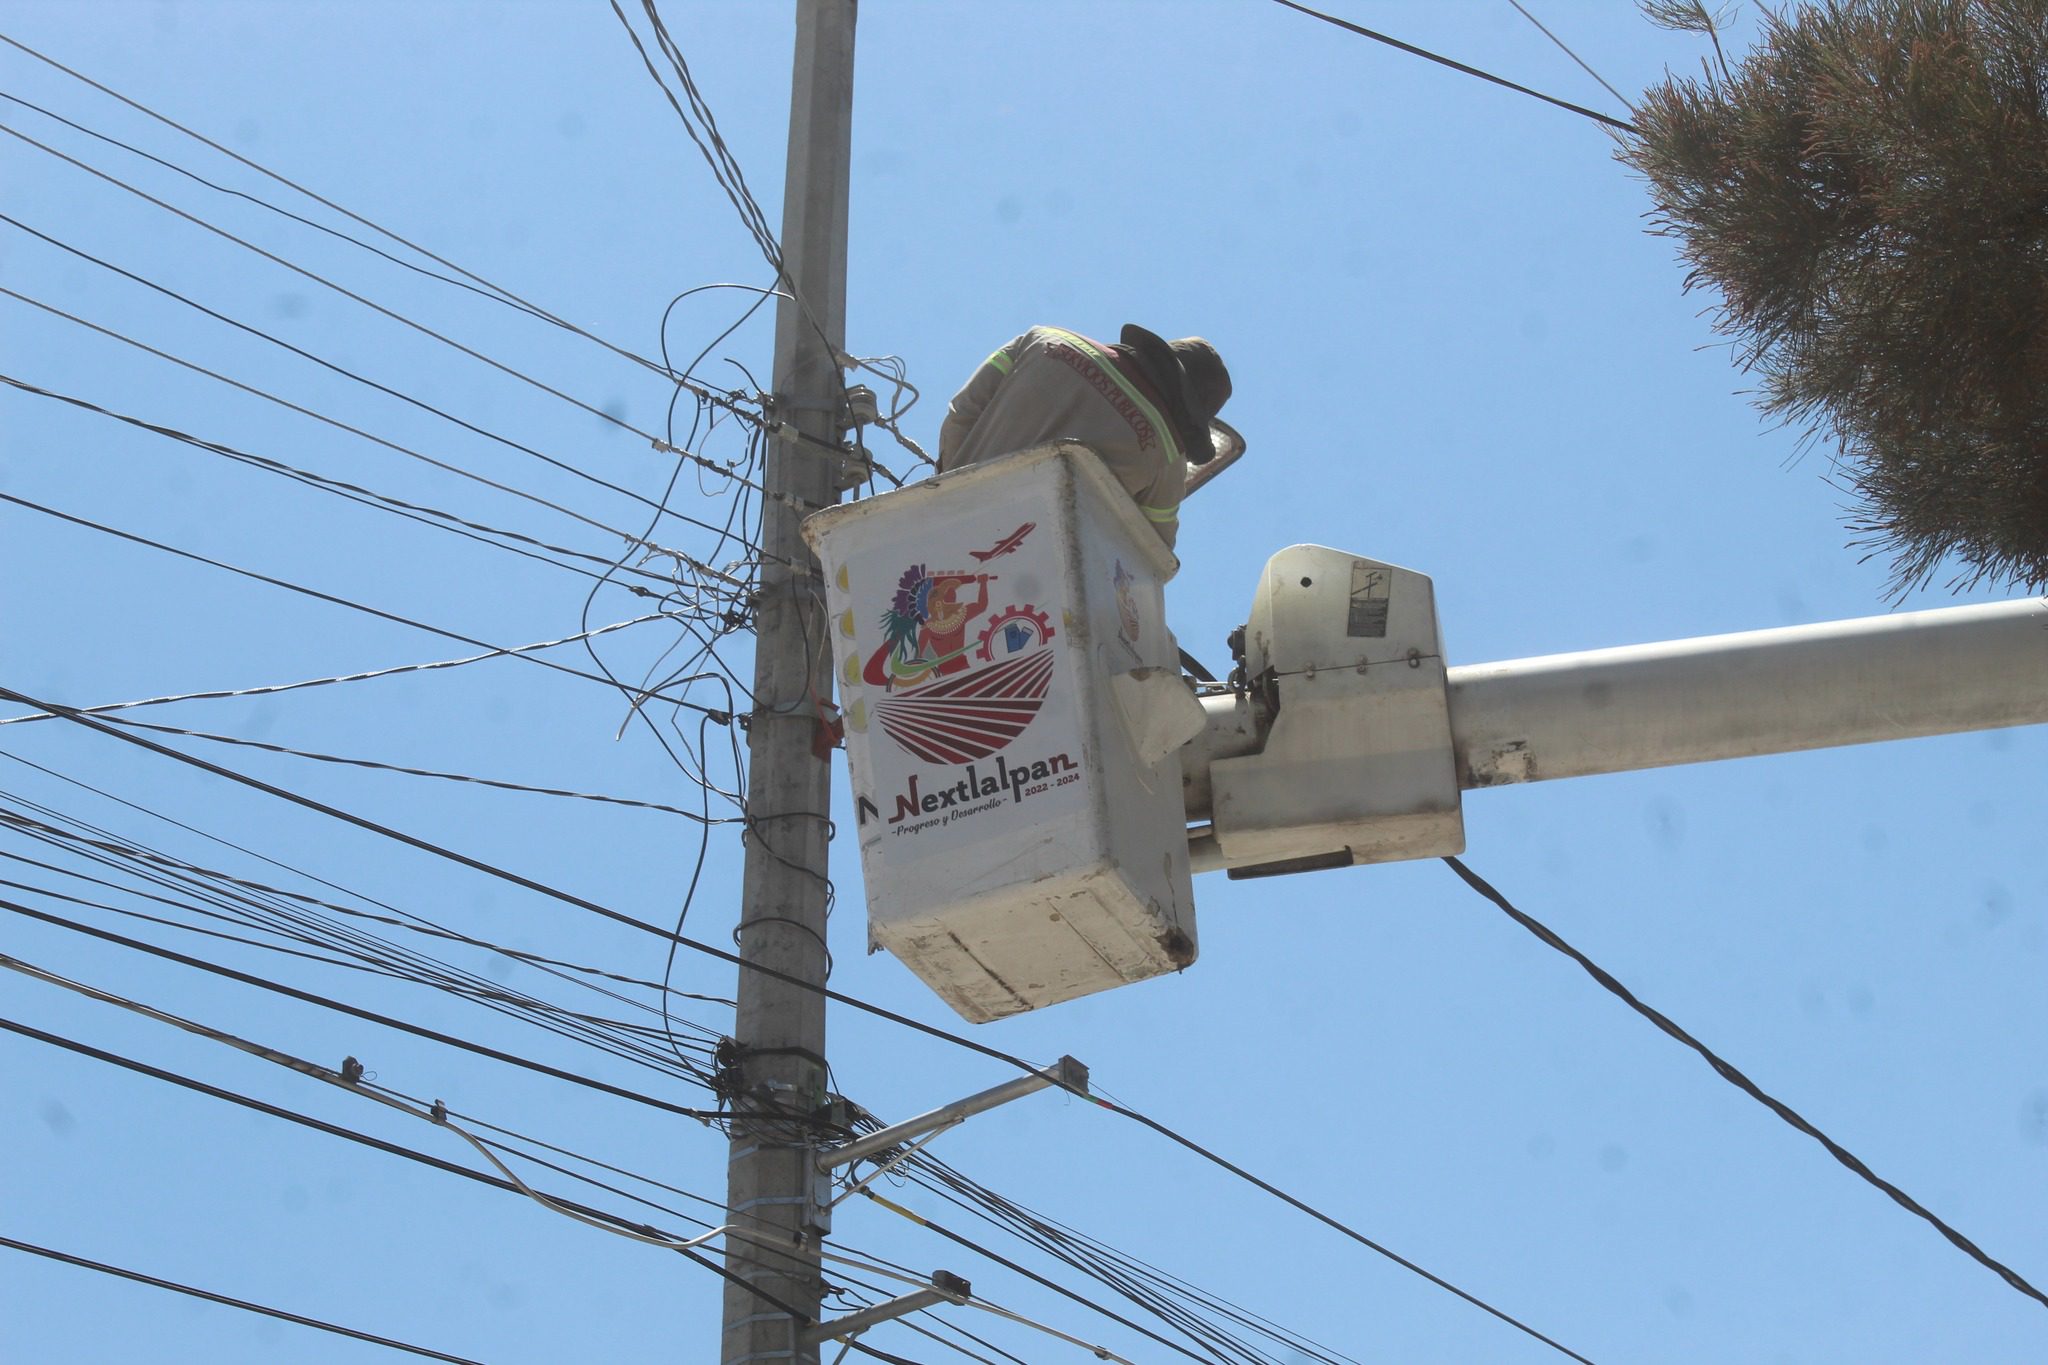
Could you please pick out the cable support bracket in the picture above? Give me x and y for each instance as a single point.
(860, 1186)
(775, 403)
(944, 1288)
(852, 464)
(1066, 1073)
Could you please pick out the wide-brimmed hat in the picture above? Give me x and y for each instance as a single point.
(1194, 383)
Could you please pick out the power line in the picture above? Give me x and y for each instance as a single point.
(273, 689)
(400, 318)
(871, 1261)
(253, 905)
(350, 1077)
(1128, 1275)
(264, 1107)
(376, 766)
(641, 542)
(864, 1260)
(336, 601)
(708, 611)
(303, 221)
(757, 1249)
(494, 290)
(482, 287)
(356, 1011)
(437, 1111)
(761, 296)
(232, 1302)
(412, 510)
(1562, 47)
(725, 169)
(395, 1149)
(361, 951)
(610, 1036)
(875, 1009)
(398, 919)
(1413, 50)
(1326, 1220)
(332, 367)
(129, 912)
(353, 430)
(854, 1002)
(517, 1137)
(1008, 1264)
(718, 626)
(655, 441)
(1149, 1299)
(1743, 1083)
(431, 517)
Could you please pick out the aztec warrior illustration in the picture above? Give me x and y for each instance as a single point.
(957, 693)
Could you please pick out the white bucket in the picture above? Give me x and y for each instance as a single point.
(1014, 714)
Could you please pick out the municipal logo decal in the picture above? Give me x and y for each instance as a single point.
(961, 677)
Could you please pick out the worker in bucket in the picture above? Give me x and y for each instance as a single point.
(1145, 405)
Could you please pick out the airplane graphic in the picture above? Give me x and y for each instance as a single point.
(1006, 544)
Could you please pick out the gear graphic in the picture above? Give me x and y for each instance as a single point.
(1015, 629)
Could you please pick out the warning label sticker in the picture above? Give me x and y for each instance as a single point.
(1368, 614)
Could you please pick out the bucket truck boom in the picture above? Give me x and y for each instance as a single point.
(1035, 782)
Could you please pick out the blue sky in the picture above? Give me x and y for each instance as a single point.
(1454, 348)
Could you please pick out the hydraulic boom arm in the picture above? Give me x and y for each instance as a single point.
(1393, 734)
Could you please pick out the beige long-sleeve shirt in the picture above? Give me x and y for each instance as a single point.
(1051, 384)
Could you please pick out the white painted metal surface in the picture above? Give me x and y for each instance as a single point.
(1644, 706)
(1345, 654)
(1759, 692)
(1019, 849)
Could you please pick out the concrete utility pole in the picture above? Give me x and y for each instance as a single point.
(771, 1175)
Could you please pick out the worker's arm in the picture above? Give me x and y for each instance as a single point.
(974, 395)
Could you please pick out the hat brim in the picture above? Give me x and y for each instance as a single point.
(1158, 357)
(1151, 343)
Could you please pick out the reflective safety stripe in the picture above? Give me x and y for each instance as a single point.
(1001, 361)
(1167, 437)
(1160, 514)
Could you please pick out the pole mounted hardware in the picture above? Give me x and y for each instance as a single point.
(944, 1288)
(852, 466)
(856, 465)
(1066, 1073)
(862, 409)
